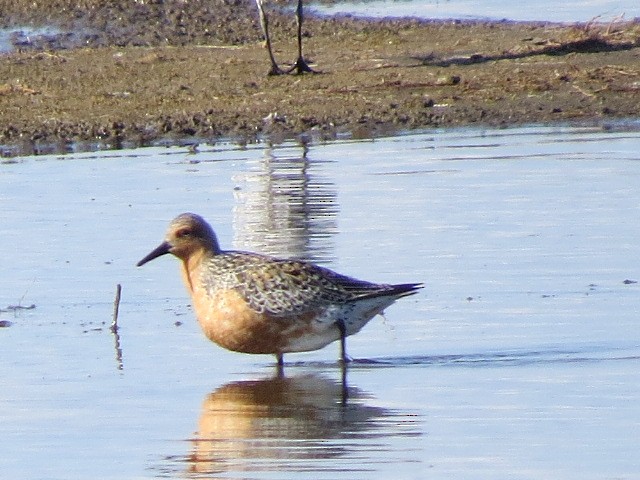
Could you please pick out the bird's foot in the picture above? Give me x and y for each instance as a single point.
(300, 67)
(345, 361)
(276, 70)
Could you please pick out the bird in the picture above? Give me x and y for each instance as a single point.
(300, 66)
(255, 303)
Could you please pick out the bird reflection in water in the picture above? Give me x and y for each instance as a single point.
(285, 208)
(279, 423)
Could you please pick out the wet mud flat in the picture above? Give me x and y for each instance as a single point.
(114, 74)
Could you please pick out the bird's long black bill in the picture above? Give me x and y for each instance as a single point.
(162, 249)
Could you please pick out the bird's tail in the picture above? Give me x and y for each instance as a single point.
(404, 289)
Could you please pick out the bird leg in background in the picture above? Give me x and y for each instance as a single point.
(264, 23)
(301, 65)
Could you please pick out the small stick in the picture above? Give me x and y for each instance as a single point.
(116, 307)
(114, 327)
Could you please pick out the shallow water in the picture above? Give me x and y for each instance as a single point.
(539, 10)
(519, 360)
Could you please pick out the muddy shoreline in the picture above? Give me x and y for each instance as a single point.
(109, 74)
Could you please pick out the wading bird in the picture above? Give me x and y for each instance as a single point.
(253, 303)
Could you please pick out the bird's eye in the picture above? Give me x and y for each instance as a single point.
(183, 232)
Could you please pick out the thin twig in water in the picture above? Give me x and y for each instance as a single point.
(116, 307)
(114, 327)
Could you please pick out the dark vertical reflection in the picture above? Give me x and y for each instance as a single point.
(299, 425)
(284, 207)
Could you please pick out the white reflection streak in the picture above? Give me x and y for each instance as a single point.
(284, 209)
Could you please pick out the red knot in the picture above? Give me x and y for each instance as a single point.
(253, 303)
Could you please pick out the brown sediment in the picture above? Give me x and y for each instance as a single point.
(133, 73)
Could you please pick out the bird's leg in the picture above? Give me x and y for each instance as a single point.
(280, 364)
(343, 343)
(264, 23)
(301, 65)
(344, 361)
(343, 384)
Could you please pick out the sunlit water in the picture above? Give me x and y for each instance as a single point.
(519, 360)
(537, 10)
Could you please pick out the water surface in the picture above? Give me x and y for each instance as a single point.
(539, 10)
(519, 360)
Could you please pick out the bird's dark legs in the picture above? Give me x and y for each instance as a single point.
(280, 364)
(264, 23)
(344, 361)
(343, 343)
(301, 65)
(343, 384)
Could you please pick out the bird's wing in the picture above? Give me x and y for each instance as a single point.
(285, 287)
(291, 287)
